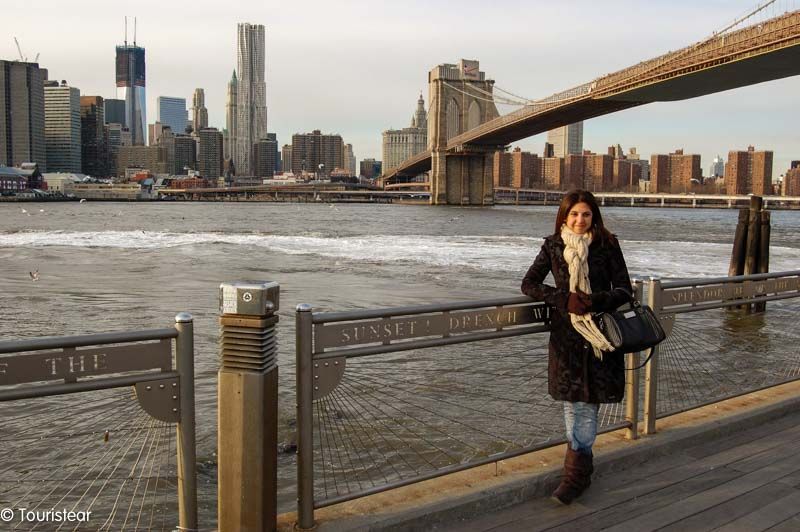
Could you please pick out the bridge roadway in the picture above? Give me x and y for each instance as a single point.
(730, 466)
(762, 52)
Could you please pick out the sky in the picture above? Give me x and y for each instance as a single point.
(357, 67)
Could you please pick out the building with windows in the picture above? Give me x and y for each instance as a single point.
(172, 113)
(94, 155)
(370, 168)
(62, 127)
(251, 95)
(130, 75)
(717, 168)
(749, 172)
(199, 111)
(310, 150)
(566, 140)
(401, 144)
(674, 173)
(114, 111)
(286, 158)
(518, 169)
(265, 156)
(209, 160)
(22, 137)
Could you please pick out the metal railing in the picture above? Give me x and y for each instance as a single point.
(716, 349)
(370, 419)
(92, 451)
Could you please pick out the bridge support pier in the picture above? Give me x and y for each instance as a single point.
(461, 179)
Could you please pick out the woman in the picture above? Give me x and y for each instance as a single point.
(583, 371)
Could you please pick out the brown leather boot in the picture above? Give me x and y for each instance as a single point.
(578, 470)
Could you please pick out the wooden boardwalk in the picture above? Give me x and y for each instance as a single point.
(749, 481)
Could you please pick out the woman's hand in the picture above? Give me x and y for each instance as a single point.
(579, 303)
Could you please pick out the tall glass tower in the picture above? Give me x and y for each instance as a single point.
(130, 87)
(251, 98)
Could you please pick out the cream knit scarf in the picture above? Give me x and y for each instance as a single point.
(576, 254)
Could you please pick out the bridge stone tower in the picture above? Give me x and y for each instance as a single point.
(461, 99)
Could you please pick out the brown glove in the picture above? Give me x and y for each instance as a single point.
(579, 303)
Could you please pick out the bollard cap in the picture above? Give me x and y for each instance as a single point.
(249, 298)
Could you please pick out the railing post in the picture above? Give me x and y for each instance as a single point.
(651, 370)
(305, 420)
(187, 454)
(248, 407)
(632, 380)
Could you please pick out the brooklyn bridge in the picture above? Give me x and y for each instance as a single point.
(465, 129)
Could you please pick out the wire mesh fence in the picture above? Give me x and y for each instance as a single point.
(97, 454)
(396, 417)
(719, 353)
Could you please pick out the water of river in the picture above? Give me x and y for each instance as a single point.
(125, 266)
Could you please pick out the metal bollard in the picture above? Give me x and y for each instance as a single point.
(248, 407)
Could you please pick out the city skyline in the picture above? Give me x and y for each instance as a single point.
(321, 76)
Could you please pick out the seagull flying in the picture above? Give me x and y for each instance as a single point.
(34, 275)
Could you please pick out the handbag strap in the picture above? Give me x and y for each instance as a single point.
(646, 360)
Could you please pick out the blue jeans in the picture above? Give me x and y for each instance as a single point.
(580, 420)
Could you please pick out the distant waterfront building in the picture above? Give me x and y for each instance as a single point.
(62, 127)
(674, 173)
(114, 111)
(348, 160)
(598, 172)
(309, 150)
(231, 111)
(251, 95)
(153, 158)
(209, 160)
(286, 158)
(644, 166)
(130, 75)
(185, 155)
(566, 140)
(553, 172)
(94, 155)
(155, 131)
(172, 113)
(749, 172)
(265, 156)
(116, 136)
(717, 168)
(518, 169)
(401, 144)
(370, 168)
(791, 181)
(199, 111)
(22, 137)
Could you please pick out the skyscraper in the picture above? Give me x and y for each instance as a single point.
(62, 127)
(114, 111)
(230, 117)
(567, 140)
(22, 114)
(131, 88)
(93, 145)
(199, 111)
(749, 172)
(210, 157)
(172, 113)
(310, 150)
(251, 96)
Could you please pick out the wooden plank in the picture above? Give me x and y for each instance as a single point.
(702, 501)
(635, 504)
(777, 445)
(790, 525)
(732, 509)
(765, 517)
(739, 438)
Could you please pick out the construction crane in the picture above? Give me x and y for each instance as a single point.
(21, 56)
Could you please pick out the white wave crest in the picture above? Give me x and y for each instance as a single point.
(500, 253)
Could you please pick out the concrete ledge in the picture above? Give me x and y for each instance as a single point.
(469, 494)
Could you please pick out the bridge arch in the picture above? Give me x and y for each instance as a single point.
(453, 114)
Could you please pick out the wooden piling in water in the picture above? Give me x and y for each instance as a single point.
(739, 240)
(763, 252)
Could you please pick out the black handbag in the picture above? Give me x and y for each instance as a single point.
(632, 330)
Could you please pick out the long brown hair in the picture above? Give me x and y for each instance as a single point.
(574, 197)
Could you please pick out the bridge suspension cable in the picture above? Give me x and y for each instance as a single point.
(769, 9)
